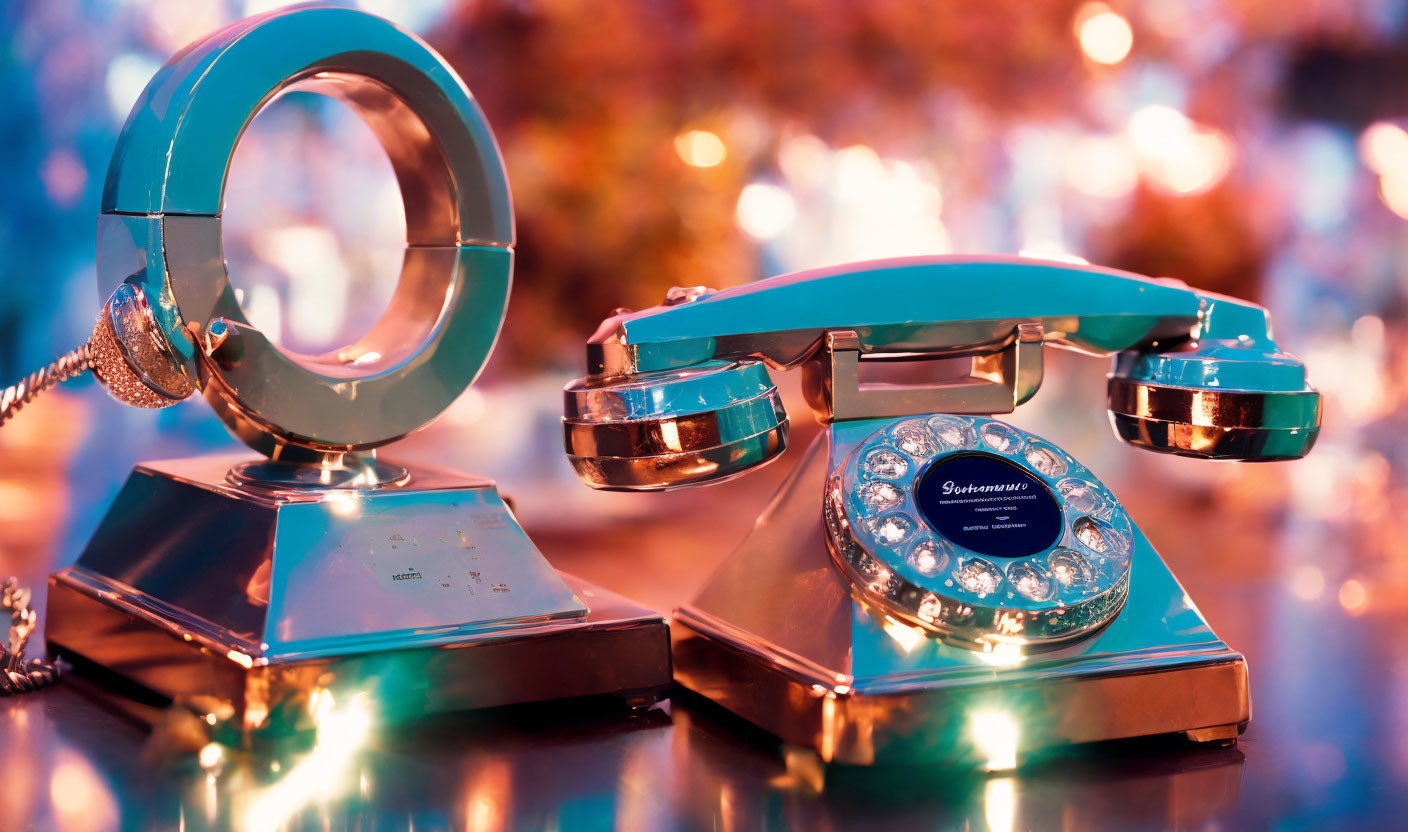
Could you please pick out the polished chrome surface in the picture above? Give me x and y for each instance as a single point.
(428, 593)
(349, 471)
(1224, 395)
(1208, 442)
(72, 363)
(673, 428)
(1215, 424)
(618, 649)
(1063, 592)
(998, 378)
(783, 637)
(160, 229)
(16, 674)
(132, 328)
(1327, 731)
(915, 305)
(127, 316)
(1176, 350)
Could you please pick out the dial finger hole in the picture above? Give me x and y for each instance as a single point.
(880, 495)
(929, 556)
(980, 577)
(893, 529)
(1083, 496)
(915, 439)
(1001, 437)
(885, 464)
(1032, 580)
(954, 432)
(1070, 568)
(1099, 537)
(1046, 459)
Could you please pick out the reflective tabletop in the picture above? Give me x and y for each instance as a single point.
(1312, 594)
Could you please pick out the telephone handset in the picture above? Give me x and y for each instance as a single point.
(951, 541)
(1195, 373)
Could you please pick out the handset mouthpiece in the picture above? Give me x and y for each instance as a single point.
(1215, 399)
(672, 428)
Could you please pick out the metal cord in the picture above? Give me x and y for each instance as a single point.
(65, 367)
(17, 675)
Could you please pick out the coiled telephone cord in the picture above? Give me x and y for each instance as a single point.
(21, 393)
(17, 675)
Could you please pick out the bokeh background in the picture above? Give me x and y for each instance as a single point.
(1250, 147)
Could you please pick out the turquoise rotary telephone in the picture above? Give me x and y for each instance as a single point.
(931, 583)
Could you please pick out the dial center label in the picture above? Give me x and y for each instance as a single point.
(989, 505)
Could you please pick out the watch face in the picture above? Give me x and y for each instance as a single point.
(988, 505)
(977, 530)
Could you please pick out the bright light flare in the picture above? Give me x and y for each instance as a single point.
(1001, 654)
(1101, 166)
(341, 733)
(345, 503)
(1052, 253)
(1158, 130)
(1000, 804)
(1394, 192)
(904, 635)
(765, 211)
(81, 798)
(1354, 596)
(1384, 148)
(995, 734)
(1182, 156)
(1202, 163)
(701, 148)
(1105, 37)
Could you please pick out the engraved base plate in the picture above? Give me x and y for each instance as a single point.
(778, 637)
(429, 596)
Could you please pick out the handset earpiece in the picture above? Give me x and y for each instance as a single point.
(130, 355)
(1230, 393)
(127, 353)
(666, 429)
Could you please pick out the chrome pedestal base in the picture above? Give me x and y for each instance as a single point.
(778, 637)
(426, 597)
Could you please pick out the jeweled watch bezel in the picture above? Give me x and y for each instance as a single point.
(897, 561)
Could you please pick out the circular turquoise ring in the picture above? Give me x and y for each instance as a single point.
(160, 229)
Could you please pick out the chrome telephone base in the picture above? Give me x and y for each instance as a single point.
(779, 637)
(427, 597)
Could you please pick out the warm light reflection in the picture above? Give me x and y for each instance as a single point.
(1383, 146)
(1001, 654)
(1158, 130)
(1200, 164)
(211, 756)
(81, 799)
(852, 203)
(1101, 166)
(1176, 153)
(488, 797)
(700, 148)
(1000, 804)
(341, 732)
(1053, 253)
(344, 502)
(995, 734)
(765, 211)
(1105, 37)
(1354, 596)
(904, 635)
(1393, 190)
